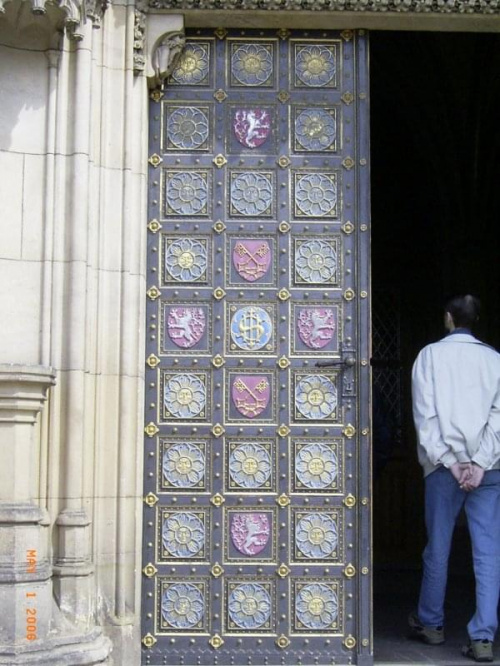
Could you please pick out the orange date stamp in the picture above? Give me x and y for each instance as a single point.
(31, 610)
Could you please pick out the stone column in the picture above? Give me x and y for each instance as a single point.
(25, 571)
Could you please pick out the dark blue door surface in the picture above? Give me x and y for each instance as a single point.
(257, 501)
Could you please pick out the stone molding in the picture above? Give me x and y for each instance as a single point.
(461, 7)
(76, 13)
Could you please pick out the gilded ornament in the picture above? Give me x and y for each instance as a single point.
(316, 466)
(187, 127)
(250, 465)
(150, 499)
(216, 642)
(149, 640)
(220, 95)
(219, 293)
(284, 294)
(365, 571)
(150, 570)
(219, 161)
(282, 642)
(218, 361)
(151, 429)
(349, 431)
(283, 363)
(216, 570)
(192, 67)
(283, 501)
(153, 361)
(155, 160)
(218, 430)
(316, 195)
(316, 397)
(349, 294)
(182, 605)
(153, 293)
(350, 642)
(365, 501)
(156, 95)
(217, 500)
(283, 430)
(347, 98)
(316, 261)
(316, 129)
(249, 606)
(365, 642)
(350, 501)
(315, 66)
(154, 226)
(184, 465)
(365, 431)
(348, 228)
(220, 33)
(350, 571)
(186, 193)
(283, 96)
(364, 294)
(348, 163)
(252, 65)
(219, 227)
(283, 570)
(317, 606)
(316, 535)
(185, 396)
(284, 162)
(284, 227)
(364, 227)
(251, 193)
(283, 33)
(347, 35)
(362, 161)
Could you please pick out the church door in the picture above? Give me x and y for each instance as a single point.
(257, 436)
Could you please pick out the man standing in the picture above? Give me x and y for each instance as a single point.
(456, 408)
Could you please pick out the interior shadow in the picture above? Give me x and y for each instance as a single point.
(436, 231)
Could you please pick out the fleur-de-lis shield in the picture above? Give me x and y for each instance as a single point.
(251, 394)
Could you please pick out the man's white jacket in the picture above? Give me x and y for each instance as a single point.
(456, 403)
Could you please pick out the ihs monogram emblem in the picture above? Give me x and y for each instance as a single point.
(251, 259)
(251, 328)
(251, 394)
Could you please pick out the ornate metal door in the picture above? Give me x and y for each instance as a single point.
(257, 501)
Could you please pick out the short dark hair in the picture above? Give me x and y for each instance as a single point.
(464, 310)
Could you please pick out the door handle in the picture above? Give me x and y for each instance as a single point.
(348, 362)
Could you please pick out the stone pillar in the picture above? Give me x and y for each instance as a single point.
(32, 628)
(25, 571)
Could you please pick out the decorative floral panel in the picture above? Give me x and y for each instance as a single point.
(318, 535)
(188, 128)
(250, 606)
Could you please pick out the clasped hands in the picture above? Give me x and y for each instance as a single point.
(468, 475)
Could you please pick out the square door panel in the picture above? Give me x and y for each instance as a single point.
(250, 535)
(185, 328)
(251, 261)
(317, 465)
(251, 329)
(250, 465)
(316, 329)
(183, 534)
(317, 605)
(250, 396)
(185, 396)
(317, 535)
(249, 605)
(183, 465)
(316, 396)
(182, 605)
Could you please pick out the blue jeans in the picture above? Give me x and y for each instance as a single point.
(443, 501)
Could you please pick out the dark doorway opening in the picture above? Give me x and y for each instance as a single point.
(436, 230)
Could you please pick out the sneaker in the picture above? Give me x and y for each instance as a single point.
(480, 650)
(429, 635)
